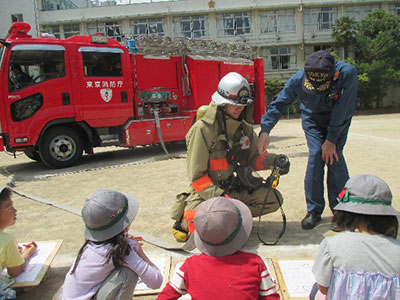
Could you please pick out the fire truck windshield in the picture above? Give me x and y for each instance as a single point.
(31, 65)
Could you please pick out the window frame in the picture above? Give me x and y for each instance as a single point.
(360, 11)
(224, 19)
(54, 30)
(145, 26)
(72, 32)
(17, 18)
(202, 31)
(276, 16)
(312, 24)
(286, 52)
(394, 8)
(106, 27)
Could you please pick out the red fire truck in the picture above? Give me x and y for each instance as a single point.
(62, 97)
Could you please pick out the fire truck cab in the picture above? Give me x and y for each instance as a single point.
(60, 98)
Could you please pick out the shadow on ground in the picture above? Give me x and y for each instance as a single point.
(294, 234)
(275, 139)
(50, 285)
(32, 170)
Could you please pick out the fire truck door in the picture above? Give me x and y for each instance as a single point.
(37, 90)
(105, 86)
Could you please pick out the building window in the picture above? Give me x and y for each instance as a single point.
(110, 29)
(328, 48)
(395, 9)
(53, 29)
(359, 12)
(275, 59)
(234, 24)
(319, 19)
(191, 26)
(17, 18)
(147, 26)
(58, 4)
(277, 21)
(312, 48)
(71, 29)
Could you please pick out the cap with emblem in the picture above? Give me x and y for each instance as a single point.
(107, 213)
(318, 72)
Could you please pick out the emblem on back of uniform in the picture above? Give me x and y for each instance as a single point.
(243, 93)
(244, 142)
(106, 94)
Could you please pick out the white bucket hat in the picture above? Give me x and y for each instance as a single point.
(107, 213)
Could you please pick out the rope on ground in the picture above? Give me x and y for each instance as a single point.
(188, 246)
(291, 146)
(48, 202)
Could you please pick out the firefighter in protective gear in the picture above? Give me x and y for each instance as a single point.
(218, 143)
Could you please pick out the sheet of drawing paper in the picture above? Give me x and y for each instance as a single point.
(297, 276)
(36, 261)
(160, 263)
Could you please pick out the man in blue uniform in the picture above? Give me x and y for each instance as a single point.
(327, 90)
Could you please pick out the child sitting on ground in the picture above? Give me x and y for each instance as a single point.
(222, 271)
(362, 263)
(10, 255)
(110, 262)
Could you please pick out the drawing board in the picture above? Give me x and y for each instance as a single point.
(164, 264)
(293, 277)
(38, 264)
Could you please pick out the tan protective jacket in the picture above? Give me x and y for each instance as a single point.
(207, 163)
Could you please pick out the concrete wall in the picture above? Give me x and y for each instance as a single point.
(10, 7)
(392, 98)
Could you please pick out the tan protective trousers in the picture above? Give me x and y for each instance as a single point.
(186, 204)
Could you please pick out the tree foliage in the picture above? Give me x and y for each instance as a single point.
(272, 88)
(344, 32)
(377, 49)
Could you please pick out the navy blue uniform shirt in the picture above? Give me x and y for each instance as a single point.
(332, 110)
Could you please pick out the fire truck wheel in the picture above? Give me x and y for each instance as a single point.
(32, 154)
(61, 147)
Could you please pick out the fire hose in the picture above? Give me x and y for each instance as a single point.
(158, 126)
(281, 162)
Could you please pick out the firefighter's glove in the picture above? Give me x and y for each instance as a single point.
(282, 162)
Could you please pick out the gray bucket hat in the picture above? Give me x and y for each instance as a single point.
(367, 195)
(222, 226)
(107, 213)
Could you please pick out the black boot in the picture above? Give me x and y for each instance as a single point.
(310, 220)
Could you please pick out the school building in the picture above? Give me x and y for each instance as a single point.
(283, 31)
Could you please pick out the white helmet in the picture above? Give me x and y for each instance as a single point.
(233, 89)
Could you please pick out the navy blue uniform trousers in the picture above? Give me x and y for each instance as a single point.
(315, 129)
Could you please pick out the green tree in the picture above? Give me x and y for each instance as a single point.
(376, 40)
(378, 56)
(344, 33)
(272, 88)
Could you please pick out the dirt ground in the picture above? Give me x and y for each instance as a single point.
(373, 146)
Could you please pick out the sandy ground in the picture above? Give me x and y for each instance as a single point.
(373, 146)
